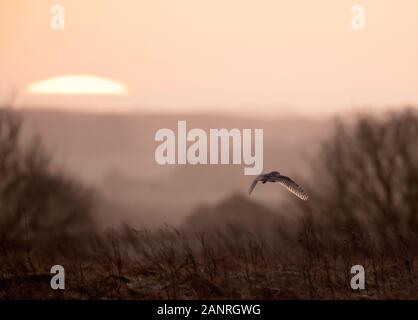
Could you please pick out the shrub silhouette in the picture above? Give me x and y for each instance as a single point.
(35, 200)
(367, 180)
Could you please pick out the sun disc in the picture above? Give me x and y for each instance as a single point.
(77, 85)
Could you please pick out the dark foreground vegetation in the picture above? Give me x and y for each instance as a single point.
(363, 210)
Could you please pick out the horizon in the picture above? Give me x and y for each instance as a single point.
(284, 114)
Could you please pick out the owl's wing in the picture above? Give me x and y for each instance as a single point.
(254, 183)
(292, 186)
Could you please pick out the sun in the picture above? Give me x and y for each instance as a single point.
(78, 85)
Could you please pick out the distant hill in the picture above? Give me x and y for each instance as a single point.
(236, 210)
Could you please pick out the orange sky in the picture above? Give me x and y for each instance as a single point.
(262, 56)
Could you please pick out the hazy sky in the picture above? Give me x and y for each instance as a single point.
(262, 56)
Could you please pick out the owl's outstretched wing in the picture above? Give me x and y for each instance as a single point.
(254, 183)
(292, 186)
(252, 186)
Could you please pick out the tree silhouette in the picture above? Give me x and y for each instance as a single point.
(35, 199)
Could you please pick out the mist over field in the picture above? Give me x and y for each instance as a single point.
(115, 155)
